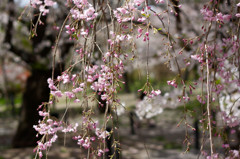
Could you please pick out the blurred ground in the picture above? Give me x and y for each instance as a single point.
(162, 141)
(160, 137)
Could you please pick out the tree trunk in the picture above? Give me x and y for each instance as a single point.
(126, 85)
(36, 92)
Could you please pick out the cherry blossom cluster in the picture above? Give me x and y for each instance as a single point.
(86, 141)
(74, 34)
(209, 15)
(116, 39)
(65, 79)
(84, 11)
(50, 129)
(43, 5)
(124, 13)
(101, 81)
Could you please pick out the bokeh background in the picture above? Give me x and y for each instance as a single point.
(25, 66)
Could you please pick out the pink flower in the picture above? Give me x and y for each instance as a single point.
(233, 131)
(76, 100)
(219, 17)
(102, 134)
(65, 78)
(90, 79)
(227, 17)
(197, 57)
(49, 3)
(82, 85)
(86, 143)
(89, 12)
(73, 77)
(186, 98)
(141, 19)
(51, 84)
(54, 138)
(91, 70)
(40, 154)
(70, 128)
(225, 145)
(43, 10)
(122, 10)
(138, 2)
(100, 152)
(172, 83)
(41, 113)
(140, 30)
(108, 54)
(76, 90)
(104, 97)
(36, 2)
(235, 153)
(70, 95)
(93, 138)
(156, 93)
(57, 93)
(67, 27)
(199, 98)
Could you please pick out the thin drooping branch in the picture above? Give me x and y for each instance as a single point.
(56, 45)
(208, 101)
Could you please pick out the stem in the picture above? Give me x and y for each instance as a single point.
(105, 126)
(208, 103)
(208, 88)
(56, 45)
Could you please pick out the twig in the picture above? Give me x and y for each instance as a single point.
(208, 103)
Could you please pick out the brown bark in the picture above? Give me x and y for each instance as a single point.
(37, 91)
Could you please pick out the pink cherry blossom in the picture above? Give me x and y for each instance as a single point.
(138, 2)
(238, 15)
(172, 83)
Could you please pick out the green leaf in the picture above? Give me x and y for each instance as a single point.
(155, 30)
(75, 36)
(218, 81)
